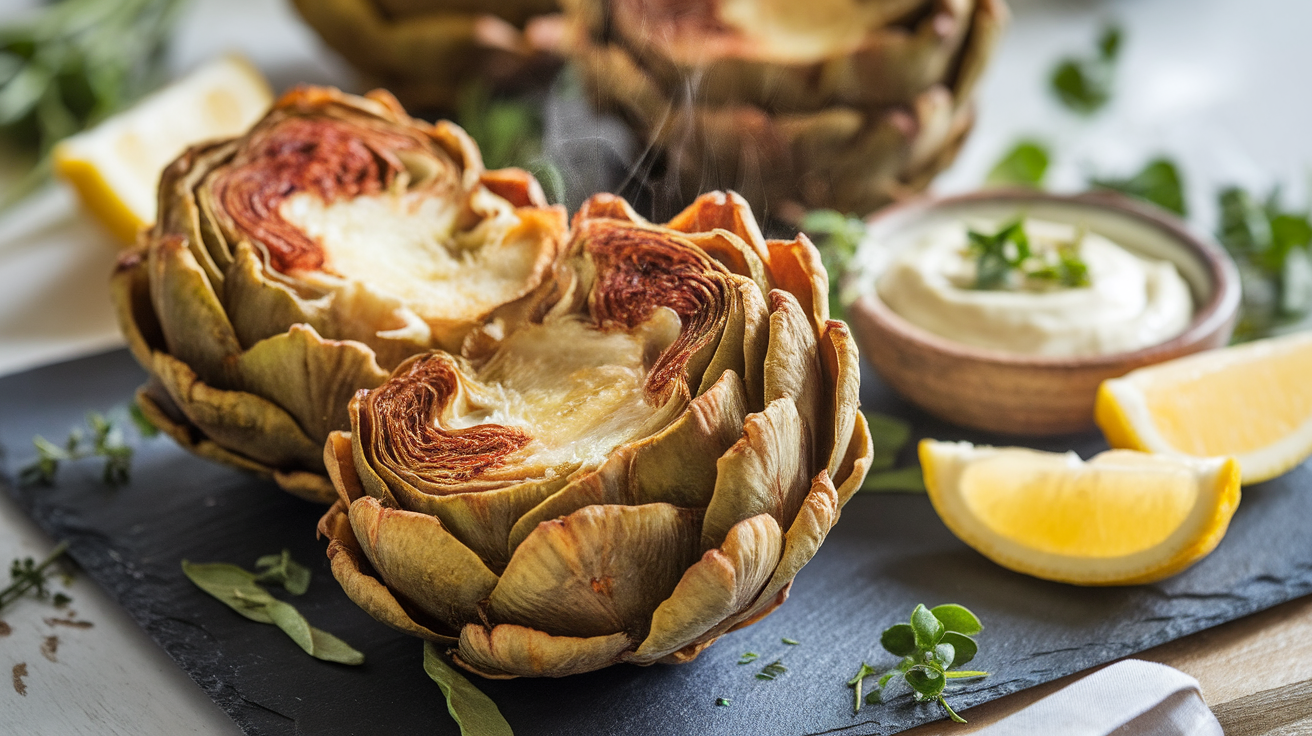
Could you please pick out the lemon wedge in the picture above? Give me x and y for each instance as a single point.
(115, 166)
(1121, 518)
(1252, 402)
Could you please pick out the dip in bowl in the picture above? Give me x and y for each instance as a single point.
(1011, 329)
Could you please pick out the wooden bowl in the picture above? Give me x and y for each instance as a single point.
(1019, 394)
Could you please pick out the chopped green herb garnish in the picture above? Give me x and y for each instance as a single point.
(931, 644)
(1084, 84)
(772, 670)
(27, 575)
(791, 642)
(748, 658)
(1006, 257)
(722, 701)
(1158, 182)
(1024, 165)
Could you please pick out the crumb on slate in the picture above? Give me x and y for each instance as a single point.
(48, 648)
(20, 671)
(5, 629)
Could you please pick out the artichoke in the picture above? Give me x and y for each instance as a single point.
(642, 467)
(300, 263)
(426, 50)
(835, 103)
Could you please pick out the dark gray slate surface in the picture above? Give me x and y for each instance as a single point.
(888, 553)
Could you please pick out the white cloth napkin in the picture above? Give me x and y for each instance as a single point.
(1129, 698)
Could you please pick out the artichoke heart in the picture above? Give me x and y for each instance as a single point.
(640, 467)
(303, 261)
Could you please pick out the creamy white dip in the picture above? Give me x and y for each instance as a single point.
(1131, 302)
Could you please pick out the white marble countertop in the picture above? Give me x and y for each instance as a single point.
(1220, 85)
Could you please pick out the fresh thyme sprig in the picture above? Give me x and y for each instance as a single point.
(1006, 254)
(1084, 84)
(27, 575)
(934, 642)
(106, 441)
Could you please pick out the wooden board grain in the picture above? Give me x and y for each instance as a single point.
(888, 553)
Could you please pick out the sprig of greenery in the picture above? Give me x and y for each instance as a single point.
(1273, 247)
(1158, 182)
(509, 133)
(935, 641)
(1084, 84)
(242, 593)
(772, 671)
(1005, 255)
(282, 570)
(27, 575)
(889, 435)
(106, 442)
(1024, 165)
(836, 236)
(748, 658)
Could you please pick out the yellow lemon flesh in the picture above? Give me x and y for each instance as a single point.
(1252, 402)
(1121, 518)
(115, 166)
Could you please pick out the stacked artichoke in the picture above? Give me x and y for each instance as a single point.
(303, 262)
(844, 104)
(426, 50)
(640, 468)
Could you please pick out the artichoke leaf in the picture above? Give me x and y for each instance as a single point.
(799, 271)
(508, 651)
(842, 365)
(264, 431)
(164, 414)
(601, 570)
(195, 327)
(418, 558)
(735, 255)
(988, 22)
(728, 355)
(756, 341)
(726, 211)
(860, 452)
(765, 471)
(724, 582)
(130, 291)
(792, 369)
(313, 379)
(352, 571)
(180, 212)
(339, 461)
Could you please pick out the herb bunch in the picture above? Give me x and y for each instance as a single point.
(1273, 248)
(934, 642)
(1084, 84)
(1002, 256)
(28, 576)
(106, 441)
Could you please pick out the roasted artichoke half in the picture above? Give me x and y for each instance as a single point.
(304, 261)
(639, 469)
(832, 103)
(425, 51)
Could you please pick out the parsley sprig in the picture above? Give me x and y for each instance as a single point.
(934, 642)
(27, 575)
(1084, 84)
(1004, 256)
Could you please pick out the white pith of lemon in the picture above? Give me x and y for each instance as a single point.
(115, 167)
(1121, 518)
(1252, 402)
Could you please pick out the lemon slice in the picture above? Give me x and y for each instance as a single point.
(1121, 518)
(115, 166)
(1251, 402)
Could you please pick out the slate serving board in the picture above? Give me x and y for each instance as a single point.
(888, 553)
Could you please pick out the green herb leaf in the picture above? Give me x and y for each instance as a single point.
(998, 254)
(282, 570)
(238, 589)
(963, 647)
(145, 427)
(1024, 165)
(927, 628)
(27, 575)
(722, 701)
(772, 670)
(1273, 248)
(472, 710)
(748, 658)
(1084, 85)
(963, 674)
(957, 618)
(927, 682)
(875, 697)
(791, 642)
(889, 435)
(855, 684)
(951, 713)
(1159, 182)
(836, 236)
(899, 639)
(944, 654)
(902, 480)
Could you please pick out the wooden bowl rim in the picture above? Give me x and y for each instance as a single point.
(1220, 307)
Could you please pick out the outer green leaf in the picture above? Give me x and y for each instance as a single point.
(927, 628)
(902, 480)
(899, 639)
(944, 654)
(316, 642)
(1158, 182)
(1024, 165)
(875, 697)
(283, 570)
(927, 682)
(963, 646)
(957, 618)
(473, 711)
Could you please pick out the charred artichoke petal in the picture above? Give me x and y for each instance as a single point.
(852, 471)
(717, 587)
(792, 367)
(601, 570)
(419, 559)
(508, 650)
(800, 272)
(842, 366)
